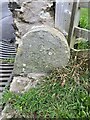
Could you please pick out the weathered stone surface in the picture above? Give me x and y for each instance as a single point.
(22, 84)
(34, 12)
(7, 113)
(18, 84)
(42, 50)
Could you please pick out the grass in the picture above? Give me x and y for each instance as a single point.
(63, 94)
(83, 23)
(7, 60)
(84, 18)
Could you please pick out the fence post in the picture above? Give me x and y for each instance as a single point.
(63, 15)
(74, 21)
(66, 17)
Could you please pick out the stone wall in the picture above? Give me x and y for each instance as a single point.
(41, 48)
(27, 15)
(32, 13)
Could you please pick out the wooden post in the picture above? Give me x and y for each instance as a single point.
(66, 17)
(73, 22)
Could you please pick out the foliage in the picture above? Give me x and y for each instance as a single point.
(63, 94)
(82, 44)
(84, 18)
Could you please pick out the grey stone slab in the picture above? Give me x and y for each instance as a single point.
(42, 50)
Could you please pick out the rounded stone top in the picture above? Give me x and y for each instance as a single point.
(43, 48)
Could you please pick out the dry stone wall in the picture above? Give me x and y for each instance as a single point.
(31, 57)
(32, 13)
(41, 47)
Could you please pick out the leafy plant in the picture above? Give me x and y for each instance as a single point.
(82, 44)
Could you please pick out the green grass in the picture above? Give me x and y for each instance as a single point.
(8, 60)
(84, 18)
(63, 94)
(84, 23)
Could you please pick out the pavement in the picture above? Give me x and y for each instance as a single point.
(6, 21)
